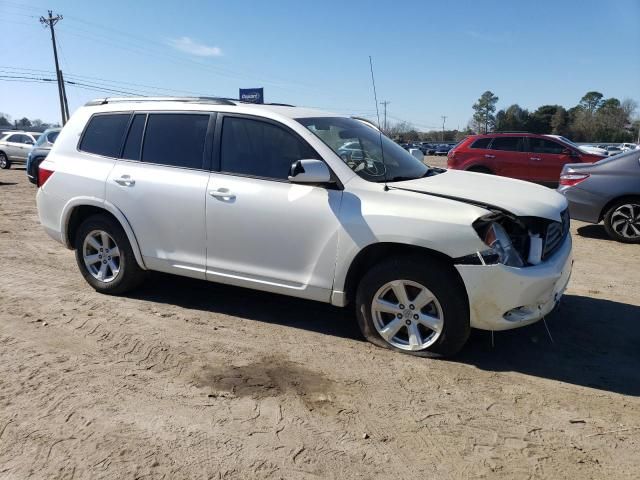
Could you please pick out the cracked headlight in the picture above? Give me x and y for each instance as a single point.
(500, 246)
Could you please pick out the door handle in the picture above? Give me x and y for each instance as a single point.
(536, 159)
(125, 181)
(489, 156)
(222, 193)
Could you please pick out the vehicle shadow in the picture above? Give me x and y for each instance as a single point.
(595, 341)
(7, 183)
(594, 231)
(596, 344)
(250, 304)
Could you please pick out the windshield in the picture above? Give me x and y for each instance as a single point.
(361, 146)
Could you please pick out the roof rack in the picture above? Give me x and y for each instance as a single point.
(507, 131)
(210, 100)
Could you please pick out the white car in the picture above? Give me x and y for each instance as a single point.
(14, 147)
(625, 147)
(258, 196)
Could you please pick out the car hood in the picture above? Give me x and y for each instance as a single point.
(520, 198)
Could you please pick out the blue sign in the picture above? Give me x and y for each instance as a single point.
(252, 95)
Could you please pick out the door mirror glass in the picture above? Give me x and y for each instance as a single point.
(310, 171)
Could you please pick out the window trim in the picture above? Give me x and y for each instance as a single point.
(86, 127)
(217, 148)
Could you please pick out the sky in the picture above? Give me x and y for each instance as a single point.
(430, 59)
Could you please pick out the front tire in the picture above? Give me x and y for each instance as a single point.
(105, 257)
(622, 221)
(5, 163)
(416, 305)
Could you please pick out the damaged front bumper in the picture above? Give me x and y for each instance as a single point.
(502, 297)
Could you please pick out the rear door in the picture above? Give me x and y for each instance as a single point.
(507, 157)
(547, 158)
(160, 185)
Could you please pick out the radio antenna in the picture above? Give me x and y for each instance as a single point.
(375, 97)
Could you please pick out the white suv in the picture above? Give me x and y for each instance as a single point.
(258, 196)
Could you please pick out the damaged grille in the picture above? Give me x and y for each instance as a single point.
(555, 235)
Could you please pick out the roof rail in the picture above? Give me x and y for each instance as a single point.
(210, 100)
(506, 131)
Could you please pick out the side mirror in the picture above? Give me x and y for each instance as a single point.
(310, 171)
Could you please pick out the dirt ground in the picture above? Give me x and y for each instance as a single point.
(186, 379)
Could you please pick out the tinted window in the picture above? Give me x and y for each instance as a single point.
(252, 147)
(512, 144)
(133, 145)
(175, 139)
(539, 145)
(104, 133)
(14, 138)
(481, 143)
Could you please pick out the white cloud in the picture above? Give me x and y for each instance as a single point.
(188, 45)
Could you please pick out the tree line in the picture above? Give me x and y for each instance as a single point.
(24, 123)
(593, 119)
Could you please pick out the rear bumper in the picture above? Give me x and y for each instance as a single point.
(583, 205)
(502, 298)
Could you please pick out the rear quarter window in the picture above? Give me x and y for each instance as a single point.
(104, 134)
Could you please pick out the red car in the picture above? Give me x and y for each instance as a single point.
(526, 156)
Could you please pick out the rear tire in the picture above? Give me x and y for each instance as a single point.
(432, 320)
(5, 163)
(105, 257)
(622, 220)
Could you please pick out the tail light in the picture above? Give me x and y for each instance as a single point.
(571, 179)
(43, 175)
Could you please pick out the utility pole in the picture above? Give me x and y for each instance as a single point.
(444, 119)
(50, 22)
(384, 104)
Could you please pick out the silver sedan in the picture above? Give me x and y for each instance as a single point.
(608, 191)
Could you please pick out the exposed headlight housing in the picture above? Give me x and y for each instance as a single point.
(499, 244)
(501, 248)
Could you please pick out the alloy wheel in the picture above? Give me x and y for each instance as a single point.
(101, 256)
(625, 220)
(407, 315)
(3, 160)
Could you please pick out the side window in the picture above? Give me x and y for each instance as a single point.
(539, 145)
(133, 144)
(481, 143)
(260, 149)
(14, 138)
(511, 144)
(103, 135)
(175, 139)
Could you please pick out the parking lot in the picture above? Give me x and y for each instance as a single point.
(187, 379)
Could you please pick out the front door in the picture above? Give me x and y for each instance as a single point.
(263, 231)
(549, 157)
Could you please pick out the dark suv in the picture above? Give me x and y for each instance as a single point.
(525, 156)
(40, 151)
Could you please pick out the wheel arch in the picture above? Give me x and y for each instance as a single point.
(615, 200)
(76, 211)
(376, 252)
(480, 168)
